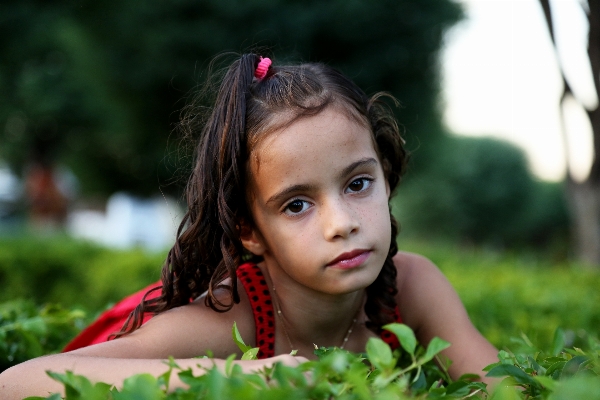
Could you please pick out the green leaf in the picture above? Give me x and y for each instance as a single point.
(510, 370)
(322, 351)
(578, 387)
(257, 381)
(555, 367)
(164, 379)
(559, 341)
(503, 392)
(237, 338)
(469, 377)
(420, 381)
(381, 381)
(251, 354)
(491, 366)
(75, 385)
(458, 389)
(380, 354)
(80, 387)
(572, 366)
(405, 336)
(337, 361)
(140, 386)
(229, 364)
(172, 364)
(188, 378)
(546, 381)
(552, 360)
(435, 346)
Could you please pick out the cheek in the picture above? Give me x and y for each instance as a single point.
(289, 235)
(384, 222)
(381, 218)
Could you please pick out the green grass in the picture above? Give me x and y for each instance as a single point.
(72, 273)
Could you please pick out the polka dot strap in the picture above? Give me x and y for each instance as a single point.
(257, 290)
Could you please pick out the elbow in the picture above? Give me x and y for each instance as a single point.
(10, 383)
(24, 380)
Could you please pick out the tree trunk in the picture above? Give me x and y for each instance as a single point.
(584, 198)
(584, 203)
(588, 197)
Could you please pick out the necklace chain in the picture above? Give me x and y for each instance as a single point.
(280, 314)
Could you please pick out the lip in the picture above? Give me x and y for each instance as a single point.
(351, 259)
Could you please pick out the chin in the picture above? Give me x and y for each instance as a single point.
(360, 282)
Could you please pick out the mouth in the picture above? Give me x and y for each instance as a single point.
(350, 259)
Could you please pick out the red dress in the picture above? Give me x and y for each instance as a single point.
(256, 288)
(111, 321)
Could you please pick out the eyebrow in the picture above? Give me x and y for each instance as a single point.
(307, 187)
(288, 192)
(363, 162)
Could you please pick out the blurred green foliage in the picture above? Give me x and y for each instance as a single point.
(482, 191)
(27, 331)
(97, 84)
(73, 273)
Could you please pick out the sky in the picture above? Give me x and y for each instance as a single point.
(501, 78)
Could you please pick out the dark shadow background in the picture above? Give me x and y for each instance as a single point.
(96, 87)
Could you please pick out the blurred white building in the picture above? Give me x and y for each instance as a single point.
(129, 222)
(11, 192)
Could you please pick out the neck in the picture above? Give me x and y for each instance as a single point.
(308, 316)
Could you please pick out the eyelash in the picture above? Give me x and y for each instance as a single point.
(365, 180)
(293, 214)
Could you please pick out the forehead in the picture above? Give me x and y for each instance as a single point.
(309, 147)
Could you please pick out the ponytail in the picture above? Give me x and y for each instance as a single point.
(229, 119)
(208, 249)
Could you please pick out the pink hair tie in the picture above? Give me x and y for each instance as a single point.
(262, 68)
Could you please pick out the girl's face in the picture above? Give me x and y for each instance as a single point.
(319, 201)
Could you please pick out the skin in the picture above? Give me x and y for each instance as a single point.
(317, 192)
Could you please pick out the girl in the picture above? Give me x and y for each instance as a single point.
(289, 234)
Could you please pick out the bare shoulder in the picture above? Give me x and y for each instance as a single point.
(184, 332)
(421, 285)
(431, 307)
(413, 267)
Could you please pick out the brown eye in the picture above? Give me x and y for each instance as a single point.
(296, 207)
(357, 185)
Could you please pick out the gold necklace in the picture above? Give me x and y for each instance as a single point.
(280, 314)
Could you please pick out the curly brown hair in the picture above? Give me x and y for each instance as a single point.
(208, 248)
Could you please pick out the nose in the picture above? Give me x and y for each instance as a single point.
(339, 220)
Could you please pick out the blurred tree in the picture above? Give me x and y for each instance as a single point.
(480, 190)
(584, 197)
(98, 83)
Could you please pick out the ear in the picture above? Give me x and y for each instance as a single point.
(387, 189)
(252, 239)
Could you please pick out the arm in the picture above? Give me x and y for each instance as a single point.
(184, 332)
(30, 379)
(431, 307)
